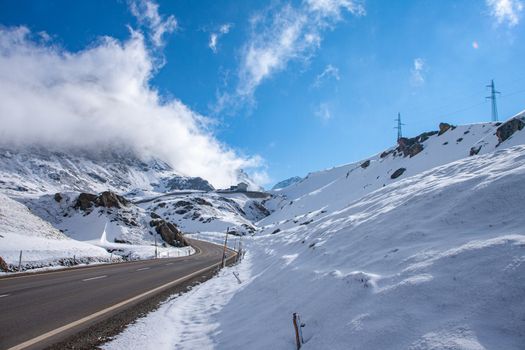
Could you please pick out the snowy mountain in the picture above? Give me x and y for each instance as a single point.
(119, 202)
(33, 171)
(285, 183)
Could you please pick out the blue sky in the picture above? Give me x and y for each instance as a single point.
(306, 85)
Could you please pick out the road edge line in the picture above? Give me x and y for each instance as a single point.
(59, 330)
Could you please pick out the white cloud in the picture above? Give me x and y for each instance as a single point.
(101, 97)
(329, 72)
(147, 13)
(283, 34)
(417, 71)
(214, 36)
(506, 11)
(324, 112)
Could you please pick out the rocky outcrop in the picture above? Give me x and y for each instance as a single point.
(508, 128)
(3, 265)
(106, 199)
(365, 164)
(412, 146)
(169, 233)
(189, 183)
(397, 173)
(444, 127)
(474, 150)
(58, 197)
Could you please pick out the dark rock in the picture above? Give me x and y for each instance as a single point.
(385, 153)
(202, 201)
(460, 139)
(3, 265)
(276, 231)
(85, 201)
(365, 164)
(170, 233)
(110, 199)
(154, 215)
(443, 128)
(123, 241)
(58, 197)
(508, 128)
(409, 147)
(474, 150)
(106, 199)
(397, 173)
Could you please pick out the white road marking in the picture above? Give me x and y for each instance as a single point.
(144, 268)
(4, 295)
(94, 278)
(169, 264)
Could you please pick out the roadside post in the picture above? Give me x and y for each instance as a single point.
(20, 262)
(224, 250)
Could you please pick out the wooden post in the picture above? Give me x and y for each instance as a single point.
(296, 328)
(224, 250)
(20, 262)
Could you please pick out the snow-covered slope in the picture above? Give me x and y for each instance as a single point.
(209, 212)
(332, 189)
(432, 261)
(285, 183)
(40, 242)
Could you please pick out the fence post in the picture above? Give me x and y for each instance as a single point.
(296, 328)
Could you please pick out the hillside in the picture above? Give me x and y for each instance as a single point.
(332, 189)
(431, 261)
(41, 243)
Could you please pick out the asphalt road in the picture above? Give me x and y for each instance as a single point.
(37, 310)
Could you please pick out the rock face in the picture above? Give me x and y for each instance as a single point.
(169, 233)
(365, 164)
(189, 183)
(106, 199)
(508, 128)
(397, 173)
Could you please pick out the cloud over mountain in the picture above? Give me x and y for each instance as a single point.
(101, 96)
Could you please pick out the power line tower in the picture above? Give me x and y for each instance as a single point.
(398, 127)
(492, 97)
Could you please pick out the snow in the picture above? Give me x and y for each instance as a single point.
(189, 321)
(432, 261)
(40, 242)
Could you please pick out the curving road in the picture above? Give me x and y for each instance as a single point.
(38, 310)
